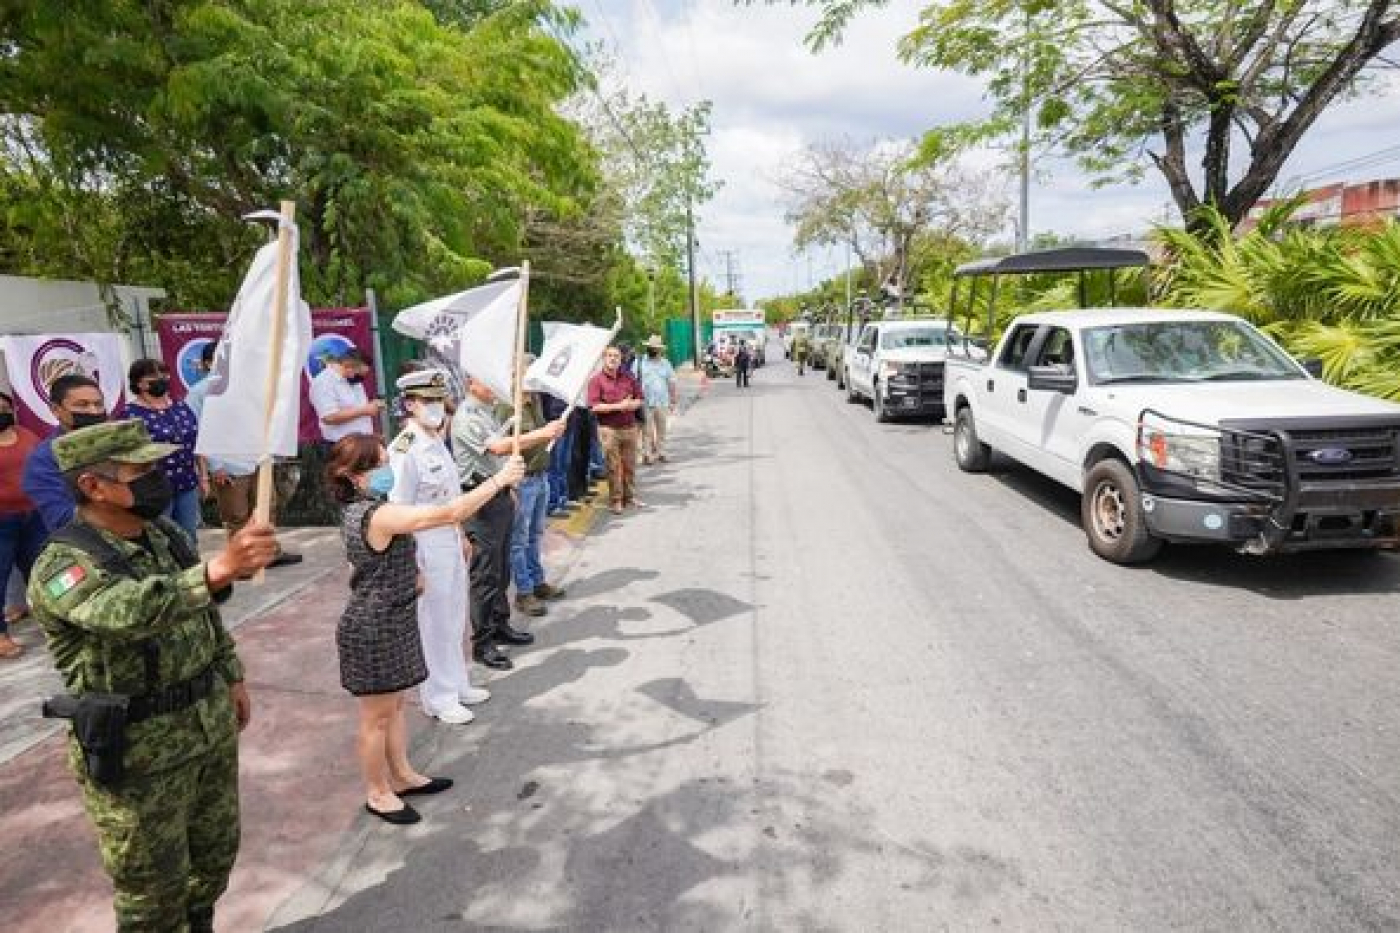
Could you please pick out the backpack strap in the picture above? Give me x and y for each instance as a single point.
(89, 540)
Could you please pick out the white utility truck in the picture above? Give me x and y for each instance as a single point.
(1178, 425)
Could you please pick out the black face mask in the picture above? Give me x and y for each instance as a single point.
(86, 419)
(7, 420)
(157, 388)
(150, 495)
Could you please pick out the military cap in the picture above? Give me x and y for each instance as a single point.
(425, 383)
(115, 441)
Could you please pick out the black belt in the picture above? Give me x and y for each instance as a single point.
(173, 698)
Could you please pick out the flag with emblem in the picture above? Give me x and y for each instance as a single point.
(569, 358)
(252, 412)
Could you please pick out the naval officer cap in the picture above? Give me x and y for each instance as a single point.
(425, 383)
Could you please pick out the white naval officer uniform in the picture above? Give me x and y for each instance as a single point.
(425, 474)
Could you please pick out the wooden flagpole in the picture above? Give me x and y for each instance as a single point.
(262, 509)
(522, 329)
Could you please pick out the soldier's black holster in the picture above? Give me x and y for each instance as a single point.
(99, 725)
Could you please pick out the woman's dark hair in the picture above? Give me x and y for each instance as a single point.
(143, 369)
(351, 456)
(9, 398)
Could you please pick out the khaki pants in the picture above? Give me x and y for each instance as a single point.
(620, 451)
(654, 433)
(237, 499)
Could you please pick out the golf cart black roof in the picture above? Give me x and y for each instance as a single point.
(1069, 259)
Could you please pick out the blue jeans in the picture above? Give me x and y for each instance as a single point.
(22, 536)
(559, 471)
(184, 510)
(526, 533)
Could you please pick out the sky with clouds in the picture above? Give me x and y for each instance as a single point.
(772, 97)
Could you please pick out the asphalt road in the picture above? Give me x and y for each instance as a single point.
(824, 681)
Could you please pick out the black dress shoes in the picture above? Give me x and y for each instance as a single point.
(492, 657)
(512, 636)
(403, 817)
(434, 786)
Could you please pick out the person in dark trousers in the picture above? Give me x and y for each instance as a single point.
(480, 442)
(743, 362)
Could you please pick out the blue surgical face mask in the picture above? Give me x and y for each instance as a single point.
(381, 480)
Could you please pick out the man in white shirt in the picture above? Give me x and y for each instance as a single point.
(338, 396)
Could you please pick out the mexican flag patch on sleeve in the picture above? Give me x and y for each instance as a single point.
(65, 581)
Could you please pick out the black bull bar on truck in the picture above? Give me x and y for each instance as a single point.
(1299, 483)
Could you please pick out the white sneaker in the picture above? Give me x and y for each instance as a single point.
(474, 695)
(455, 715)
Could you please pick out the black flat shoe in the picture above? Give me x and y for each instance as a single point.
(493, 659)
(404, 817)
(434, 786)
(512, 636)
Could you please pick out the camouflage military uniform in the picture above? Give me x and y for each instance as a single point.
(168, 833)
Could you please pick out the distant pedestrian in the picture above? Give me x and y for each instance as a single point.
(660, 393)
(532, 591)
(130, 615)
(175, 423)
(76, 402)
(800, 350)
(479, 442)
(614, 396)
(378, 638)
(338, 396)
(233, 482)
(22, 531)
(743, 363)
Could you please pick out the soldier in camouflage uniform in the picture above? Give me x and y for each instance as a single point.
(127, 608)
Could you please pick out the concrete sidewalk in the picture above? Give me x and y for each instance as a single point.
(299, 784)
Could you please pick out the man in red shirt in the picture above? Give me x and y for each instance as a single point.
(615, 396)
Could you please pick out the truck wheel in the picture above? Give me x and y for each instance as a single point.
(972, 455)
(852, 395)
(877, 405)
(1111, 513)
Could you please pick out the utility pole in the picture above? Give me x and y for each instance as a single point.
(694, 283)
(1023, 234)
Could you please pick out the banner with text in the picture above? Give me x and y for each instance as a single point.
(183, 336)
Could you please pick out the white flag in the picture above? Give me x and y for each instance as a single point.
(439, 322)
(486, 341)
(234, 423)
(567, 360)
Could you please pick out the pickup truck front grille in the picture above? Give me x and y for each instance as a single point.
(1253, 456)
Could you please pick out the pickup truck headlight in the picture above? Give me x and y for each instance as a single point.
(1177, 447)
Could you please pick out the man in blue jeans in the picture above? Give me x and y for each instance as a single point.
(527, 532)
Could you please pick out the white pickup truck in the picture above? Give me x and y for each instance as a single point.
(898, 365)
(1184, 426)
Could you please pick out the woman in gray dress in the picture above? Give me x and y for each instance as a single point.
(381, 655)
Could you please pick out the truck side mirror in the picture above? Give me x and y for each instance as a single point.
(1052, 379)
(1312, 366)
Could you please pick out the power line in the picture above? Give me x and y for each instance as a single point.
(1369, 160)
(654, 20)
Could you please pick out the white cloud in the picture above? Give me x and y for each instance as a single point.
(772, 97)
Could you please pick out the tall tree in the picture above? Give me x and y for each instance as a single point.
(1115, 82)
(415, 143)
(880, 200)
